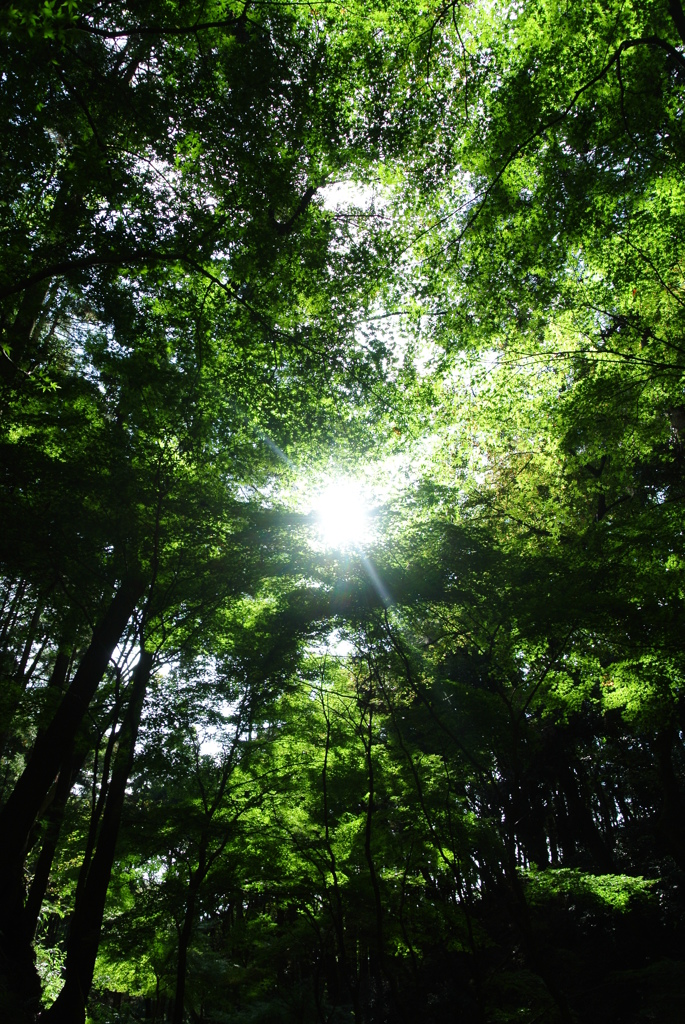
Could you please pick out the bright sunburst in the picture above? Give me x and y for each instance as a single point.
(342, 515)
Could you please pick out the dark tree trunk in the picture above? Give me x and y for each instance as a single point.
(582, 823)
(182, 962)
(528, 815)
(675, 9)
(670, 824)
(536, 955)
(17, 963)
(73, 763)
(57, 678)
(55, 817)
(12, 613)
(22, 331)
(60, 669)
(343, 971)
(86, 923)
(19, 813)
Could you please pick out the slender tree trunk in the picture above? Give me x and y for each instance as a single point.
(98, 805)
(86, 923)
(57, 677)
(19, 337)
(341, 962)
(670, 824)
(377, 954)
(17, 963)
(30, 637)
(583, 825)
(73, 763)
(55, 817)
(536, 955)
(19, 812)
(12, 613)
(182, 962)
(373, 875)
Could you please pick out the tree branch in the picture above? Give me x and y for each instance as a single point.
(236, 23)
(286, 227)
(675, 9)
(627, 44)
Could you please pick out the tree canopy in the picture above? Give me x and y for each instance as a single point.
(250, 773)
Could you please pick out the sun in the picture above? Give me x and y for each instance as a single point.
(342, 515)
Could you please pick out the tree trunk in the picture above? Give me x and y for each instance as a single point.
(581, 821)
(57, 677)
(20, 811)
(17, 961)
(12, 613)
(86, 923)
(670, 824)
(72, 765)
(21, 333)
(55, 817)
(340, 963)
(536, 955)
(182, 963)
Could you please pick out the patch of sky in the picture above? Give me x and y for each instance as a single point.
(334, 645)
(341, 195)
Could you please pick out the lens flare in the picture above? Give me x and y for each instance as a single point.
(342, 515)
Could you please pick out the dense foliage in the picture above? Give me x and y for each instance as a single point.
(246, 778)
